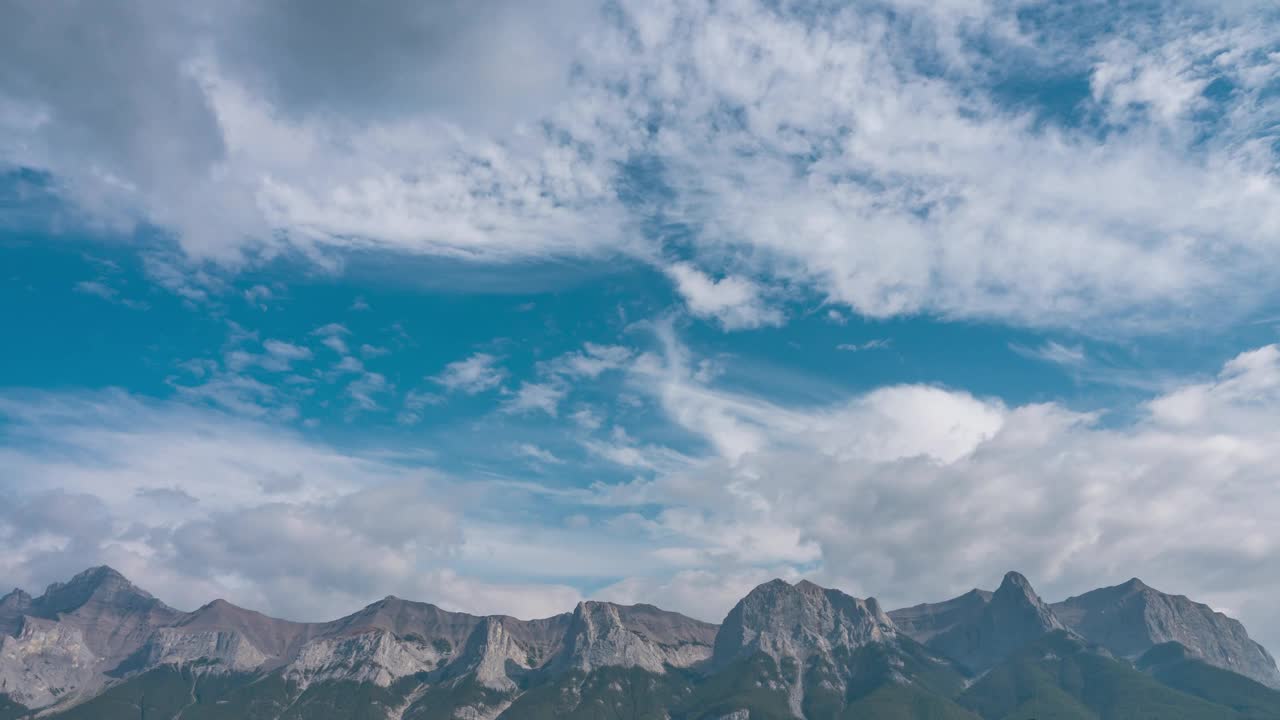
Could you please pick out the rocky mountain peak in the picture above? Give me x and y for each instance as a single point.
(1016, 582)
(797, 621)
(102, 584)
(1013, 617)
(12, 607)
(1131, 618)
(1016, 602)
(604, 634)
(924, 621)
(16, 598)
(1135, 585)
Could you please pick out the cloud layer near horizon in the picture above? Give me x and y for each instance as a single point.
(909, 493)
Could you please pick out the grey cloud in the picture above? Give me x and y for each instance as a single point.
(254, 513)
(473, 62)
(106, 86)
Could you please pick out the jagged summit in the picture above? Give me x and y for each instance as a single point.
(605, 634)
(1015, 581)
(1013, 617)
(803, 645)
(15, 596)
(102, 583)
(12, 607)
(779, 619)
(1131, 618)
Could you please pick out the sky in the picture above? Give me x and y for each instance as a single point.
(502, 306)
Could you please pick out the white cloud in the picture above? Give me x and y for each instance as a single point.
(587, 419)
(545, 397)
(331, 336)
(363, 390)
(108, 293)
(537, 454)
(806, 151)
(415, 402)
(473, 375)
(592, 361)
(874, 344)
(906, 492)
(265, 518)
(914, 493)
(733, 301)
(93, 287)
(1054, 352)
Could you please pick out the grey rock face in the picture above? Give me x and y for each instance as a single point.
(1132, 618)
(97, 629)
(45, 663)
(922, 622)
(797, 621)
(115, 617)
(804, 626)
(1013, 617)
(12, 607)
(609, 635)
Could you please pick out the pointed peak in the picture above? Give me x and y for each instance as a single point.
(1015, 584)
(1135, 585)
(101, 582)
(17, 596)
(101, 574)
(809, 587)
(100, 577)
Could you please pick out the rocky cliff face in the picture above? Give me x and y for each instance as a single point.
(1013, 617)
(12, 607)
(925, 621)
(798, 621)
(45, 663)
(1132, 618)
(810, 632)
(609, 635)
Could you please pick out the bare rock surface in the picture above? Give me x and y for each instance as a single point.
(98, 629)
(1013, 617)
(608, 635)
(1131, 618)
(922, 622)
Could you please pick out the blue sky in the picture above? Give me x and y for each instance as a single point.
(641, 301)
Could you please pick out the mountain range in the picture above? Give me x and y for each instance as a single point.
(99, 648)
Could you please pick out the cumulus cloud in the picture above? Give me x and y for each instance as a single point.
(914, 493)
(733, 301)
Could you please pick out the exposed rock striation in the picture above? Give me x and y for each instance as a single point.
(607, 635)
(1132, 618)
